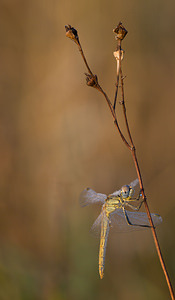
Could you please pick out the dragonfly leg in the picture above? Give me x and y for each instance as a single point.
(134, 200)
(139, 195)
(134, 207)
(139, 206)
(138, 198)
(131, 224)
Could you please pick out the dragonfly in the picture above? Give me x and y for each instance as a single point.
(115, 211)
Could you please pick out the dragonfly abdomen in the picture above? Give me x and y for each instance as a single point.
(103, 244)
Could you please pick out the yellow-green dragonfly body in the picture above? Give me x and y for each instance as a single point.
(114, 212)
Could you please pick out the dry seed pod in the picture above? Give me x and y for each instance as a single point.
(72, 33)
(120, 31)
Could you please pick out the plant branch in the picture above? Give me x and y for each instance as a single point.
(92, 80)
(123, 99)
(133, 151)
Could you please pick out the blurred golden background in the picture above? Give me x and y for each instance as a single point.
(57, 137)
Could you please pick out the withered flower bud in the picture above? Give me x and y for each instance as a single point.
(72, 33)
(91, 80)
(121, 31)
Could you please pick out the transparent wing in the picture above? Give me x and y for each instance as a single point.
(96, 227)
(88, 196)
(119, 223)
(116, 193)
(134, 183)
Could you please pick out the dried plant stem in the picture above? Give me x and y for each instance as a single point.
(114, 116)
(84, 58)
(152, 227)
(92, 81)
(133, 151)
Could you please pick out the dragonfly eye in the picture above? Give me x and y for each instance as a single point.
(125, 191)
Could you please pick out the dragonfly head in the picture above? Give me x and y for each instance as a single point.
(126, 191)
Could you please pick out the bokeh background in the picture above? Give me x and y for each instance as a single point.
(57, 137)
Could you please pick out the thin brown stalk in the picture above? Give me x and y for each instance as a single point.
(133, 151)
(84, 58)
(114, 116)
(123, 98)
(92, 80)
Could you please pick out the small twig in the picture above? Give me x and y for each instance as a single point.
(117, 82)
(123, 99)
(83, 56)
(114, 117)
(92, 80)
(120, 35)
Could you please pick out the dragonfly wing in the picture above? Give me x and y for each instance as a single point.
(142, 218)
(116, 193)
(118, 220)
(96, 227)
(88, 196)
(134, 183)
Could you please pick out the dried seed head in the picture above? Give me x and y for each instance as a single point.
(91, 80)
(72, 33)
(121, 31)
